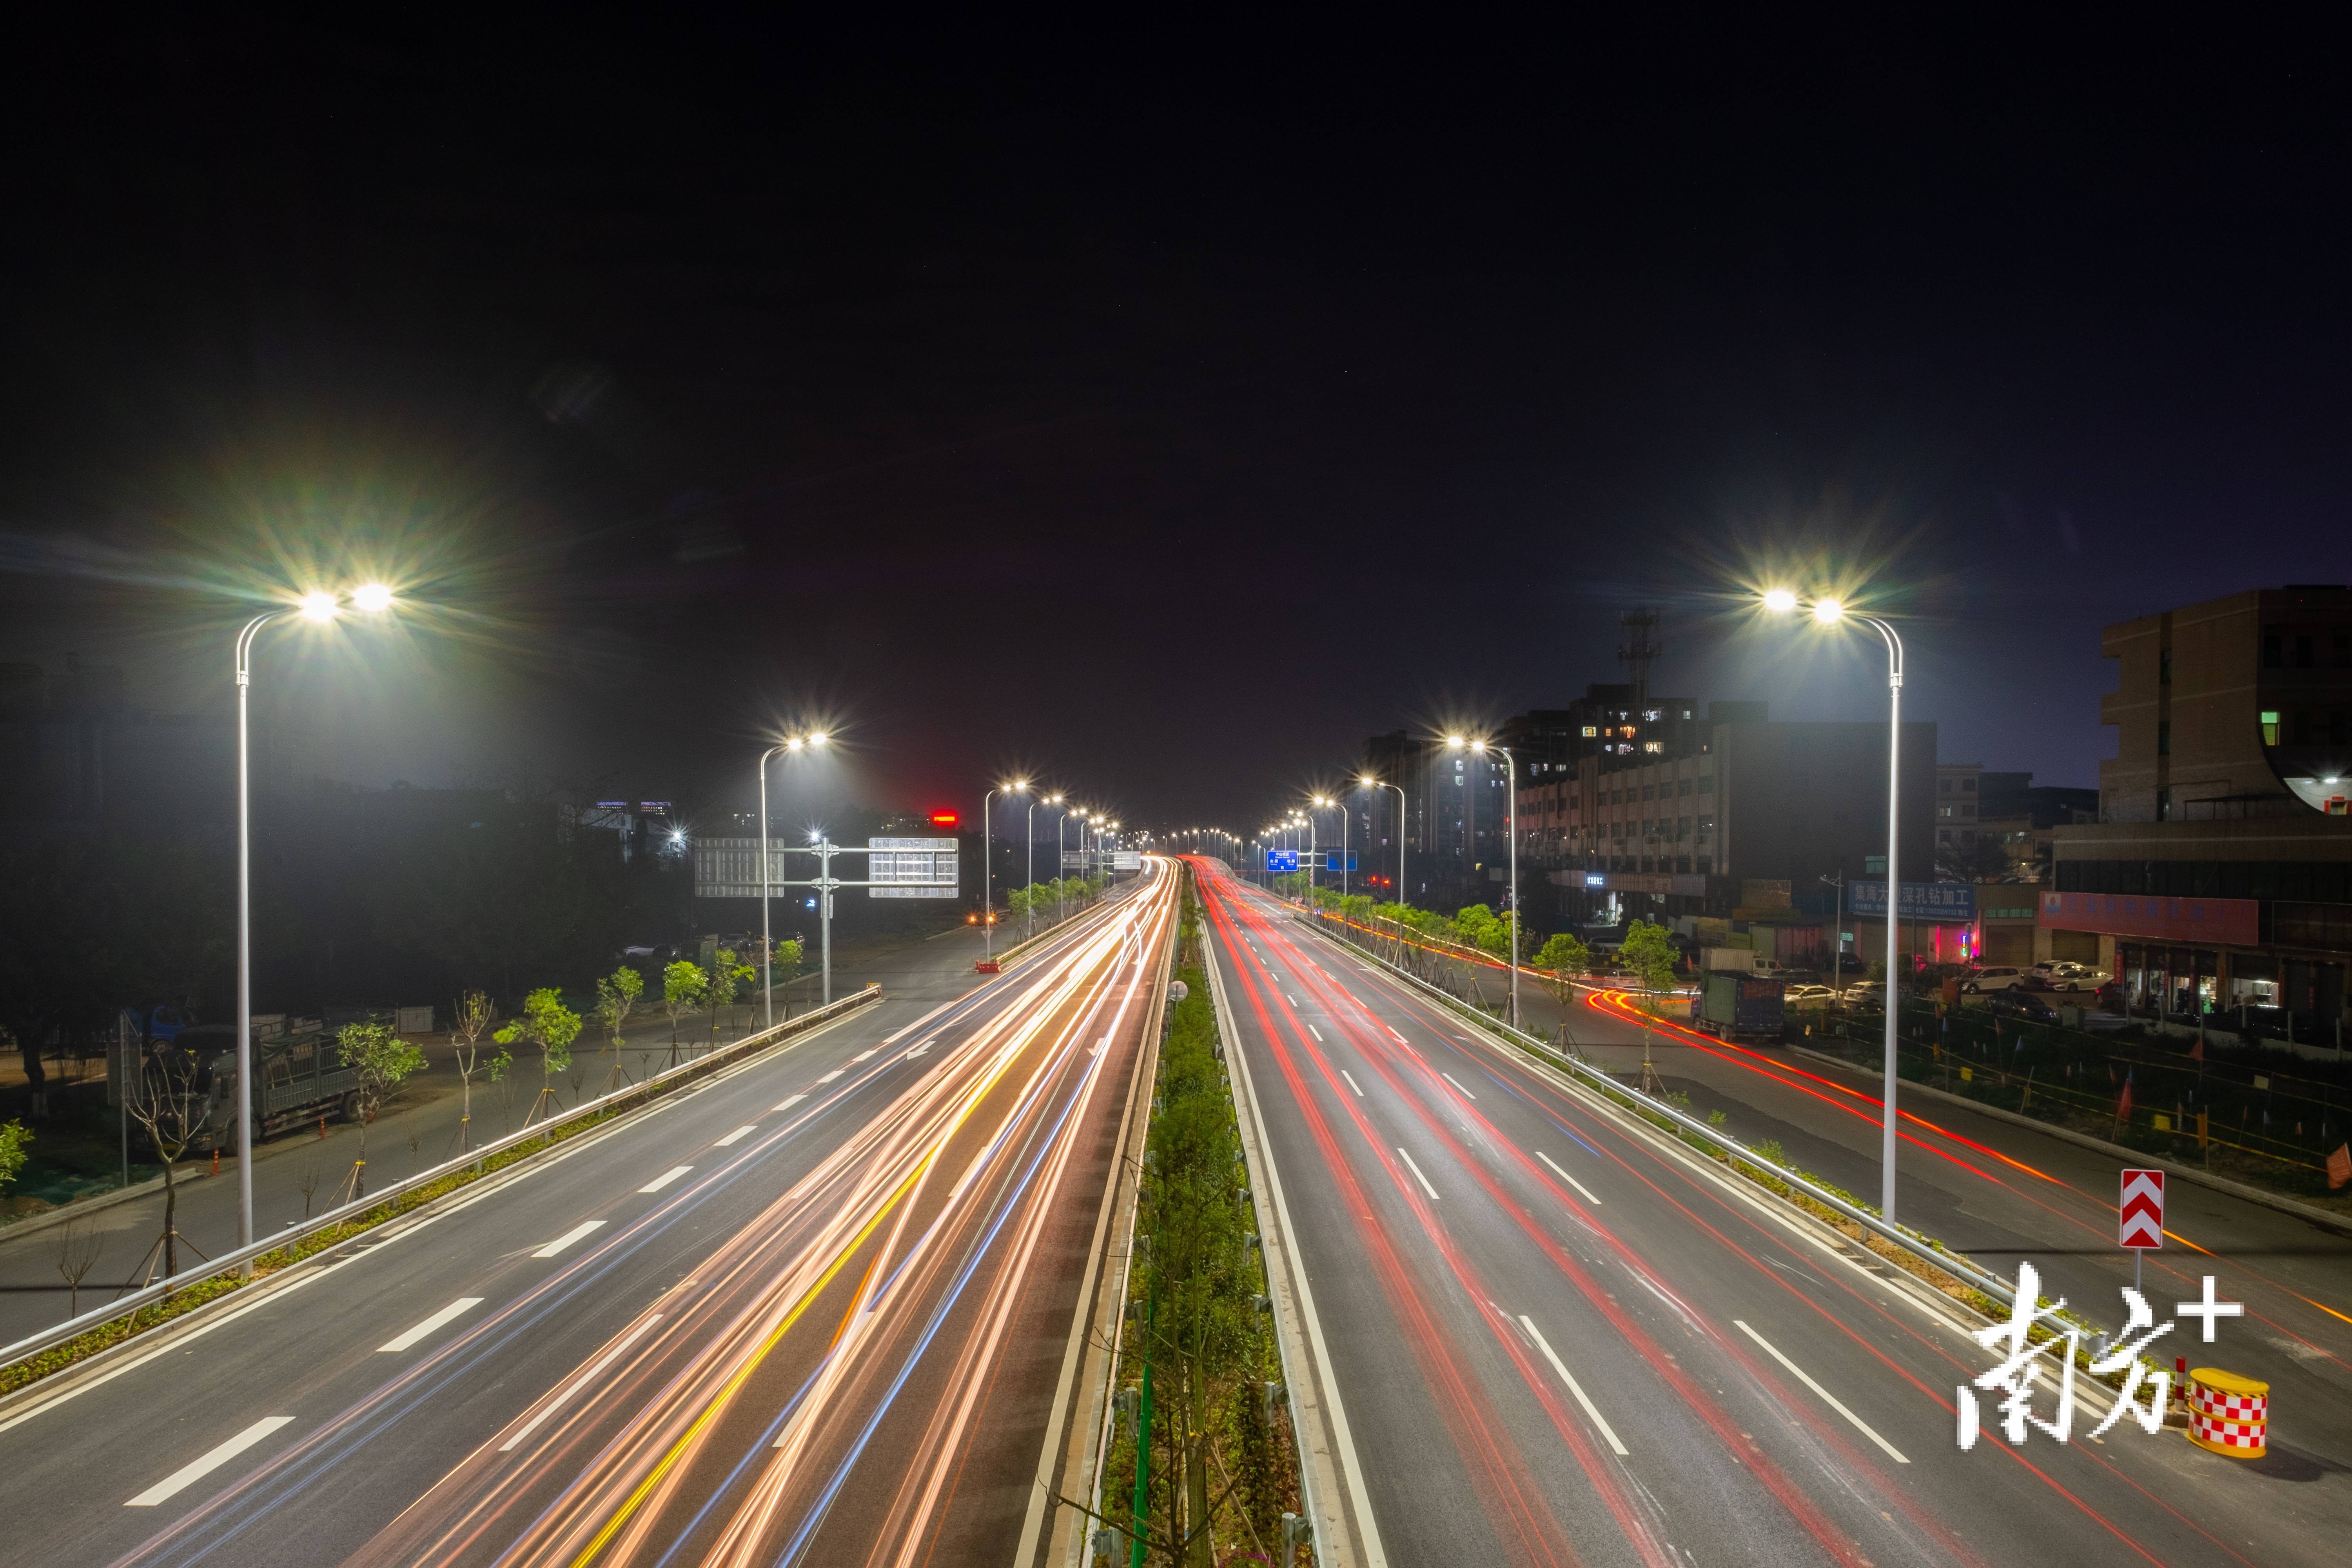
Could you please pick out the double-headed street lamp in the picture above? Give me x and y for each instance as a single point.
(373, 598)
(1829, 612)
(1369, 782)
(988, 867)
(1455, 742)
(814, 739)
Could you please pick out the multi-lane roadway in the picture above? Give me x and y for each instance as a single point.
(811, 1311)
(1552, 1335)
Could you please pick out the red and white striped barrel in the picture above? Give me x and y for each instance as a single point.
(2229, 1414)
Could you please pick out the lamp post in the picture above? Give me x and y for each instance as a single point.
(767, 943)
(320, 607)
(1370, 783)
(1828, 612)
(1512, 787)
(988, 867)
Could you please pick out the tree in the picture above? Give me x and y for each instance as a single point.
(616, 998)
(16, 1139)
(164, 1102)
(684, 985)
(383, 1059)
(786, 968)
(76, 1248)
(1982, 858)
(471, 1016)
(728, 974)
(1563, 959)
(548, 1025)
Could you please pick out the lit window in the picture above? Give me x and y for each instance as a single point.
(1591, 730)
(2270, 729)
(1658, 746)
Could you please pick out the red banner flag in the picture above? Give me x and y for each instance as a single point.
(2339, 1166)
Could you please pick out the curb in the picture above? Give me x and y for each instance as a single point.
(2341, 1224)
(64, 1214)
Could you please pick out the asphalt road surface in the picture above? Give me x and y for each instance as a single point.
(1559, 1337)
(811, 1312)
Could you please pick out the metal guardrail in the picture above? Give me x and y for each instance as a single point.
(1960, 1268)
(147, 1296)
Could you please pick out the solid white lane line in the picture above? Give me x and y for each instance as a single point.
(834, 1074)
(578, 1383)
(665, 1178)
(569, 1237)
(1352, 1083)
(455, 1309)
(1456, 1083)
(1827, 1397)
(1573, 1386)
(1316, 1032)
(1417, 1175)
(1571, 1181)
(788, 1104)
(197, 1469)
(742, 1131)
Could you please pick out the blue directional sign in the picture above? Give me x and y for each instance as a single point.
(1282, 859)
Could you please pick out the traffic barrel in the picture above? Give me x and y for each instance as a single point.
(2229, 1414)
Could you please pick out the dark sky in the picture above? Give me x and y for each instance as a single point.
(1160, 410)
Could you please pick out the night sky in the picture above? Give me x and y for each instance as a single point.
(1158, 411)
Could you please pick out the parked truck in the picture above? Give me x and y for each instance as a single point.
(1734, 1006)
(299, 1078)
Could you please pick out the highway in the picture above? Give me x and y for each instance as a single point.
(811, 1311)
(1559, 1337)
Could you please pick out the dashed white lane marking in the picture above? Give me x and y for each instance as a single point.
(1352, 1083)
(665, 1178)
(583, 1228)
(578, 1383)
(1416, 1174)
(1571, 1181)
(1316, 1032)
(743, 1132)
(197, 1469)
(788, 1104)
(1456, 1083)
(1827, 1397)
(834, 1074)
(1399, 1039)
(454, 1310)
(865, 1055)
(1573, 1386)
(1296, 1003)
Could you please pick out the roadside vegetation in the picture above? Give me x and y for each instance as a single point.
(1203, 1468)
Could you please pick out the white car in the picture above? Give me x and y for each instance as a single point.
(2001, 978)
(1808, 996)
(2068, 975)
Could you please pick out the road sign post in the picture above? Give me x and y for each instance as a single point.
(2139, 1217)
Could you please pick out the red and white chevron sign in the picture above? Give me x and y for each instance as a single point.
(2139, 1215)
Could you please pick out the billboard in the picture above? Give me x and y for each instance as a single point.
(1951, 902)
(912, 867)
(2140, 916)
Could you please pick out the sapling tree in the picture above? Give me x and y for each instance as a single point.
(684, 986)
(77, 1245)
(727, 976)
(551, 1027)
(15, 1141)
(1562, 960)
(472, 1016)
(166, 1106)
(616, 998)
(383, 1060)
(787, 964)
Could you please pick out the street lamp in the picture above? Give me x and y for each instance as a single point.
(1509, 762)
(320, 607)
(1369, 782)
(1828, 612)
(988, 867)
(767, 945)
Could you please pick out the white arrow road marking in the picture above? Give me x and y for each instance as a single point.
(788, 1104)
(1827, 1397)
(579, 1382)
(455, 1309)
(742, 1131)
(919, 1051)
(1564, 1176)
(1456, 1083)
(1573, 1386)
(1352, 1083)
(198, 1469)
(1417, 1175)
(569, 1237)
(665, 1178)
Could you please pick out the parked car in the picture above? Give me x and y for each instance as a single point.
(1810, 995)
(2022, 1003)
(1999, 977)
(2068, 975)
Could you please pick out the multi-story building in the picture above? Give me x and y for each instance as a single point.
(1956, 816)
(2022, 819)
(2219, 875)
